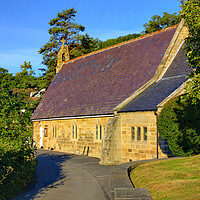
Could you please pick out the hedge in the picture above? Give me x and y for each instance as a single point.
(179, 124)
(17, 166)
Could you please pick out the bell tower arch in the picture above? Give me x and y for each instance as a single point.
(63, 55)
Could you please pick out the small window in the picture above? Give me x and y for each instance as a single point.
(54, 132)
(98, 131)
(144, 133)
(63, 57)
(76, 134)
(132, 133)
(45, 132)
(74, 131)
(138, 133)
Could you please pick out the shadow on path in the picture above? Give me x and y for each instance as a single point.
(49, 171)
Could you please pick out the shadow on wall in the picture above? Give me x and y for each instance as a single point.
(49, 174)
(164, 147)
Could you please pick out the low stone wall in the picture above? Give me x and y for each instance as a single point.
(121, 186)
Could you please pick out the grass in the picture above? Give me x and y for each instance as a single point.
(175, 179)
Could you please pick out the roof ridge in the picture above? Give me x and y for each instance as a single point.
(170, 77)
(122, 43)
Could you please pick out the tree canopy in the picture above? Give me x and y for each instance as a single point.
(191, 13)
(110, 42)
(63, 26)
(160, 22)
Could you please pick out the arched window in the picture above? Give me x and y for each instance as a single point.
(63, 57)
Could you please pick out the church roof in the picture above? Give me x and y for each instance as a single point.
(174, 77)
(96, 83)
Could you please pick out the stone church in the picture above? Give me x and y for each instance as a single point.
(105, 104)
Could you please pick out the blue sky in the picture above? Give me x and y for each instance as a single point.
(24, 23)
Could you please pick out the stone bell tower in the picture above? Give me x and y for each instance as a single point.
(63, 55)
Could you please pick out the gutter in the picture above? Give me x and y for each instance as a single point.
(77, 117)
(157, 143)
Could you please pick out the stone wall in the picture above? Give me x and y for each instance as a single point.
(111, 151)
(59, 135)
(134, 149)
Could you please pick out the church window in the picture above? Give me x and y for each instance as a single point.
(54, 132)
(74, 131)
(63, 57)
(144, 133)
(132, 133)
(98, 132)
(45, 132)
(138, 133)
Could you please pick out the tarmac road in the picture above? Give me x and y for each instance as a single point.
(63, 176)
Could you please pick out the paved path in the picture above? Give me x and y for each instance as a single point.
(63, 176)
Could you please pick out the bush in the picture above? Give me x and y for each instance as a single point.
(178, 123)
(17, 166)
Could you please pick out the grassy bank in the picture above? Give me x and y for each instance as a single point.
(176, 179)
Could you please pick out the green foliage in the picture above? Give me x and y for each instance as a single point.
(178, 123)
(157, 22)
(120, 39)
(17, 166)
(6, 77)
(15, 113)
(63, 26)
(17, 159)
(26, 79)
(191, 14)
(87, 45)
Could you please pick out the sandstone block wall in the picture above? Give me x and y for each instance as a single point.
(60, 135)
(139, 149)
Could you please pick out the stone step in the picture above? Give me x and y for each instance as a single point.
(132, 194)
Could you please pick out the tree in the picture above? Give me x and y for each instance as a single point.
(7, 77)
(191, 13)
(63, 26)
(14, 113)
(157, 22)
(120, 39)
(87, 45)
(26, 79)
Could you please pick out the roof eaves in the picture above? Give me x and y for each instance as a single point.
(73, 117)
(123, 43)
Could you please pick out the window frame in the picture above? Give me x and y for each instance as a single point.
(139, 133)
(74, 131)
(98, 132)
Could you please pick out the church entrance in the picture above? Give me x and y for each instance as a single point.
(41, 137)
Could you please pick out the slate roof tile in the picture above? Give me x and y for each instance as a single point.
(94, 84)
(174, 77)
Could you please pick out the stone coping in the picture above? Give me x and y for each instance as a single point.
(121, 186)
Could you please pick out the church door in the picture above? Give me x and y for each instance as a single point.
(41, 137)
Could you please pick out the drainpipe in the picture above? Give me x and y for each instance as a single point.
(156, 133)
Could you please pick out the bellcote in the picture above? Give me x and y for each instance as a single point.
(63, 55)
